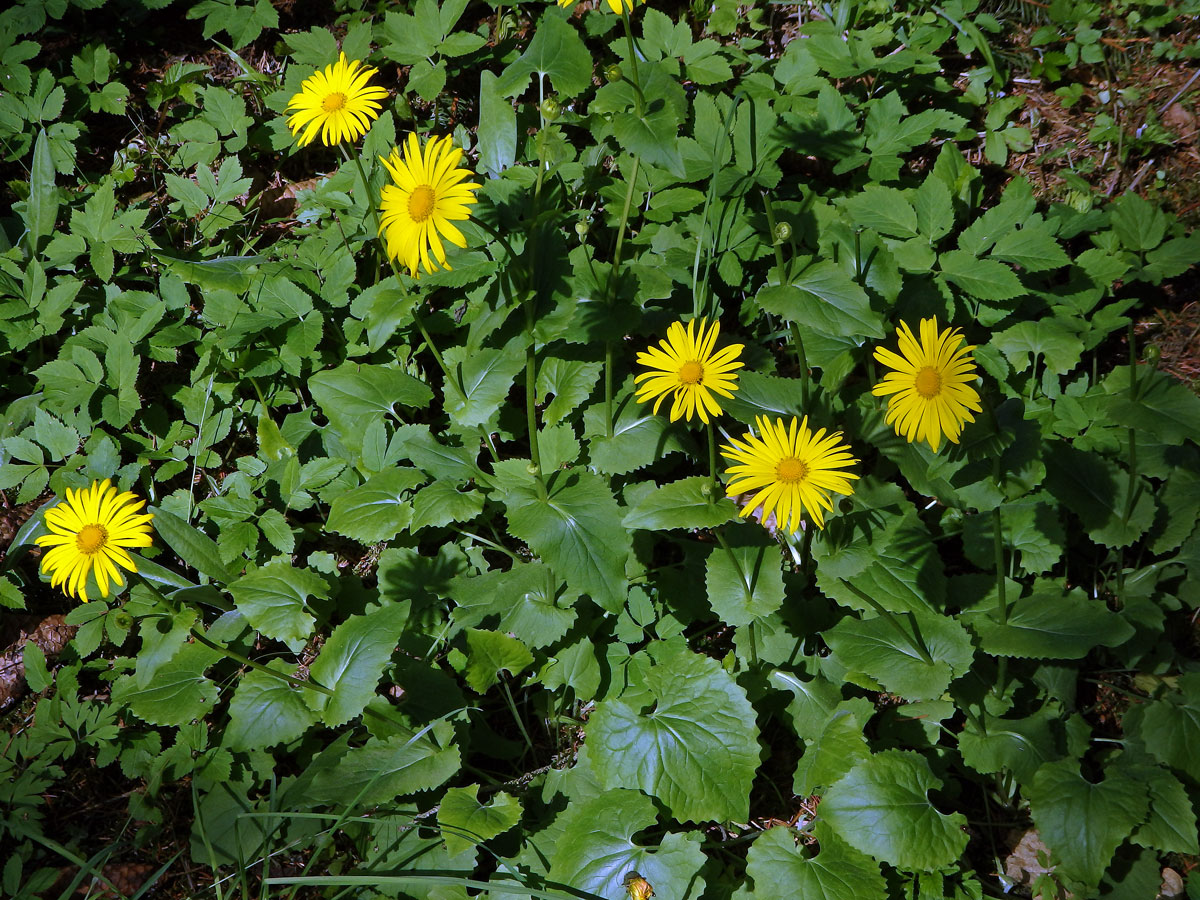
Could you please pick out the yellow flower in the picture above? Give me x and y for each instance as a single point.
(428, 195)
(687, 368)
(617, 6)
(91, 530)
(790, 469)
(336, 102)
(931, 385)
(638, 887)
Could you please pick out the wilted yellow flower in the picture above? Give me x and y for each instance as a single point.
(789, 469)
(638, 887)
(931, 385)
(337, 103)
(685, 366)
(90, 530)
(429, 194)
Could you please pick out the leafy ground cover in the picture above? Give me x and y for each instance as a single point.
(764, 462)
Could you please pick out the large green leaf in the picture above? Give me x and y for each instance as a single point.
(577, 530)
(177, 694)
(376, 510)
(352, 660)
(557, 52)
(1048, 339)
(523, 601)
(489, 653)
(595, 851)
(273, 597)
(777, 864)
(497, 127)
(381, 770)
(1051, 624)
(1017, 745)
(982, 278)
(833, 750)
(825, 298)
(1083, 823)
(885, 209)
(486, 376)
(888, 649)
(1033, 247)
(1097, 490)
(266, 711)
(41, 209)
(881, 807)
(353, 394)
(687, 503)
(192, 545)
(465, 821)
(694, 748)
(745, 583)
(1162, 406)
(1171, 726)
(1171, 827)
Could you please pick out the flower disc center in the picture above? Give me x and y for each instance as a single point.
(91, 538)
(333, 102)
(929, 383)
(791, 470)
(420, 203)
(691, 372)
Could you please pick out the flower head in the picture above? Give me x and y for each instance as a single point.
(428, 195)
(687, 368)
(617, 6)
(930, 389)
(336, 102)
(91, 530)
(790, 470)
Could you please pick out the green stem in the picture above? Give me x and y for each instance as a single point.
(512, 708)
(1133, 461)
(802, 362)
(610, 286)
(246, 661)
(909, 639)
(608, 387)
(639, 99)
(712, 462)
(769, 209)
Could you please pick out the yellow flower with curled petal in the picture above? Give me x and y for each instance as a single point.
(686, 367)
(336, 103)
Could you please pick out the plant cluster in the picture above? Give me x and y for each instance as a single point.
(443, 588)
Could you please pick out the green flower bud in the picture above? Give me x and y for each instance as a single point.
(582, 228)
(122, 619)
(533, 469)
(550, 109)
(783, 231)
(613, 73)
(1152, 353)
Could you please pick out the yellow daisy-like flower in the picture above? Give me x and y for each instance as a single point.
(429, 194)
(687, 368)
(931, 392)
(337, 103)
(91, 530)
(617, 6)
(790, 469)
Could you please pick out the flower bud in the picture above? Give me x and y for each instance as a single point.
(783, 231)
(122, 620)
(706, 489)
(550, 109)
(1152, 353)
(533, 469)
(613, 73)
(582, 228)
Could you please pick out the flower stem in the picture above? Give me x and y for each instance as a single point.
(712, 462)
(610, 286)
(639, 99)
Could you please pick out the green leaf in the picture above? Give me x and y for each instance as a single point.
(884, 209)
(1033, 247)
(376, 510)
(745, 583)
(1171, 827)
(1050, 339)
(1083, 823)
(486, 375)
(177, 694)
(1019, 746)
(837, 872)
(41, 211)
(692, 743)
(881, 807)
(1172, 258)
(466, 822)
(888, 650)
(1096, 490)
(489, 653)
(272, 599)
(381, 770)
(497, 127)
(1162, 406)
(595, 851)
(681, 504)
(441, 503)
(824, 298)
(192, 545)
(556, 51)
(266, 711)
(352, 394)
(934, 208)
(577, 530)
(1051, 624)
(638, 437)
(982, 278)
(37, 676)
(570, 381)
(1138, 223)
(522, 599)
(832, 750)
(352, 661)
(1171, 727)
